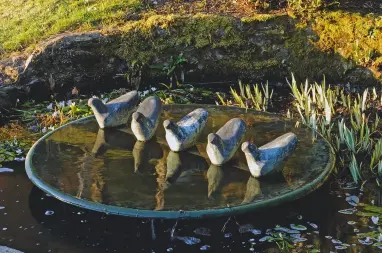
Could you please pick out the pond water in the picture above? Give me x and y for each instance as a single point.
(32, 221)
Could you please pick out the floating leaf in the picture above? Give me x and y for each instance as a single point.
(6, 170)
(352, 200)
(298, 227)
(301, 239)
(335, 241)
(339, 247)
(365, 241)
(348, 211)
(315, 226)
(203, 231)
(375, 219)
(189, 240)
(205, 247)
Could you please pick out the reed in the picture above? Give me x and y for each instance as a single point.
(340, 117)
(249, 96)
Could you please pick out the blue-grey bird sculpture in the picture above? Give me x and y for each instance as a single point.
(264, 160)
(222, 145)
(184, 133)
(116, 112)
(145, 120)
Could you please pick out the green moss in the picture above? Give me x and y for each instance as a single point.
(143, 39)
(354, 36)
(261, 17)
(306, 61)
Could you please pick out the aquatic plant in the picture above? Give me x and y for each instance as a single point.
(13, 150)
(255, 96)
(175, 64)
(41, 117)
(340, 117)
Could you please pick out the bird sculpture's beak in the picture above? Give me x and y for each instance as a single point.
(168, 124)
(137, 116)
(213, 138)
(248, 147)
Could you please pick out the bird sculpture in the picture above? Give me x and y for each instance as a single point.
(263, 160)
(184, 133)
(116, 112)
(145, 120)
(222, 145)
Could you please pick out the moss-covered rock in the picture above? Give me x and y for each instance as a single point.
(353, 36)
(260, 47)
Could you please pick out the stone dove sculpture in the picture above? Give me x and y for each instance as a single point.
(184, 133)
(222, 145)
(265, 159)
(116, 112)
(145, 120)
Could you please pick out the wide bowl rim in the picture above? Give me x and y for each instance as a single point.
(173, 214)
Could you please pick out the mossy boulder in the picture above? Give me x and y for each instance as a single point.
(216, 47)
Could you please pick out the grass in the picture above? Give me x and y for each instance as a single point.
(26, 22)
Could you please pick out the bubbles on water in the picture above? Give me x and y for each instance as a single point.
(203, 231)
(4, 229)
(170, 250)
(49, 212)
(205, 247)
(328, 237)
(352, 200)
(298, 227)
(189, 240)
(351, 222)
(2, 207)
(299, 217)
(339, 247)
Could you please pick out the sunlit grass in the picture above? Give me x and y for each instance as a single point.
(25, 22)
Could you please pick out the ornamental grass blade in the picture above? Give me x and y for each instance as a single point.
(355, 170)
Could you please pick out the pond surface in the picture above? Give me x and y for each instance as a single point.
(108, 170)
(32, 221)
